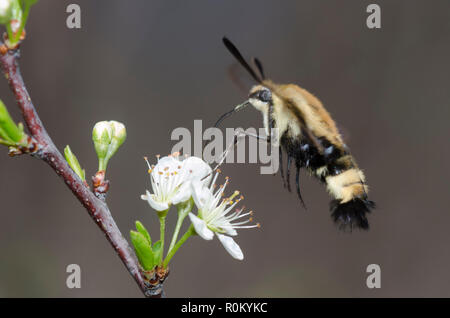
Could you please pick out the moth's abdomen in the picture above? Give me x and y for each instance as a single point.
(344, 180)
(346, 183)
(350, 205)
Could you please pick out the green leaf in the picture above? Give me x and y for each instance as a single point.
(10, 131)
(157, 251)
(141, 229)
(30, 2)
(143, 250)
(73, 163)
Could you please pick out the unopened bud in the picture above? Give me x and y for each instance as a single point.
(108, 136)
(6, 7)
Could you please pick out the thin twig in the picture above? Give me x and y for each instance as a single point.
(48, 152)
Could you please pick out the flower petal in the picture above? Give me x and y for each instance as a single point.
(166, 164)
(158, 206)
(200, 193)
(197, 169)
(230, 231)
(231, 246)
(183, 193)
(201, 228)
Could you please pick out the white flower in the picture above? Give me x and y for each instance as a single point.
(215, 216)
(171, 180)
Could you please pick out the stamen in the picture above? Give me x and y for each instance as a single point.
(148, 164)
(233, 195)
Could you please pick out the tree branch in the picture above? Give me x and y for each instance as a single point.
(47, 151)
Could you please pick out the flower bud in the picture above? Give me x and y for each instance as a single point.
(6, 7)
(108, 136)
(119, 134)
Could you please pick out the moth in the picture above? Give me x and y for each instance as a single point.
(309, 137)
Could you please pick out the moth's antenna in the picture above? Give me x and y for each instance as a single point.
(259, 67)
(235, 52)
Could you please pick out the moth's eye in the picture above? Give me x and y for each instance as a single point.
(265, 95)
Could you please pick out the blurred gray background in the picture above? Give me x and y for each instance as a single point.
(158, 65)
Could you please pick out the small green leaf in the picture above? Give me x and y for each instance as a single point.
(30, 2)
(157, 251)
(141, 229)
(143, 250)
(9, 130)
(73, 163)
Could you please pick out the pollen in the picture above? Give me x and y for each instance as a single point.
(176, 154)
(160, 172)
(166, 168)
(219, 171)
(150, 170)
